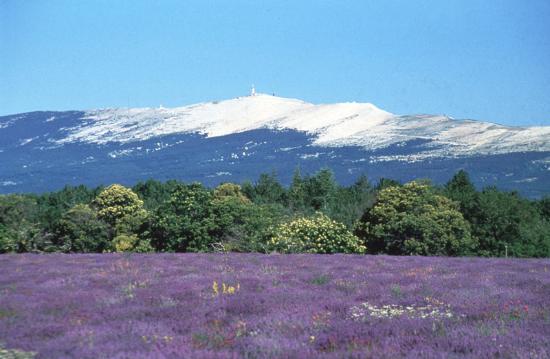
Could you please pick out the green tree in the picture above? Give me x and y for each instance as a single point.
(51, 206)
(268, 190)
(461, 189)
(154, 193)
(296, 192)
(185, 221)
(544, 207)
(412, 219)
(124, 211)
(198, 220)
(386, 182)
(349, 203)
(504, 219)
(19, 223)
(247, 188)
(132, 234)
(320, 189)
(80, 230)
(8, 240)
(250, 227)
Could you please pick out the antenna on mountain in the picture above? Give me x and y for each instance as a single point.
(253, 91)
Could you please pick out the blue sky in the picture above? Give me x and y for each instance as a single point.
(487, 60)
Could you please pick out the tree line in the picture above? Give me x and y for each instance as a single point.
(312, 215)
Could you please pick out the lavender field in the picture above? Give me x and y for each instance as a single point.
(257, 306)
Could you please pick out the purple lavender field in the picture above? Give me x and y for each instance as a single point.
(258, 306)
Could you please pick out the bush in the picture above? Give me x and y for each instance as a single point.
(131, 243)
(412, 219)
(317, 234)
(227, 191)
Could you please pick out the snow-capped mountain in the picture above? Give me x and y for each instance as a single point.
(237, 139)
(335, 125)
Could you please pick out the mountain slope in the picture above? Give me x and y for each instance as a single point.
(360, 124)
(239, 138)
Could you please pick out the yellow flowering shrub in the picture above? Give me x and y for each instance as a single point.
(130, 243)
(316, 234)
(230, 191)
(125, 242)
(116, 202)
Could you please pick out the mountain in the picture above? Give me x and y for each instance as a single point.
(237, 139)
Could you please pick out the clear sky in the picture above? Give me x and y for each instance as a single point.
(486, 60)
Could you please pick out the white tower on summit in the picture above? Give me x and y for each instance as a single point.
(253, 91)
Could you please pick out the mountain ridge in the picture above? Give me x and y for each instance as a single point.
(237, 139)
(349, 123)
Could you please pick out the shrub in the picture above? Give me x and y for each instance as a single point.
(131, 243)
(412, 219)
(227, 191)
(316, 234)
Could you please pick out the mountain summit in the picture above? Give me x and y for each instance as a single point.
(341, 124)
(237, 139)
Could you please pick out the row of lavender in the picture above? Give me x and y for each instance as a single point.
(252, 305)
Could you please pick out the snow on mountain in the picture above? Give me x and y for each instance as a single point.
(360, 124)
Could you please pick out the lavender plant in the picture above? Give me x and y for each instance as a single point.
(271, 306)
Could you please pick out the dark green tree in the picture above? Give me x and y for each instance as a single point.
(51, 206)
(268, 190)
(461, 189)
(544, 207)
(19, 223)
(385, 183)
(247, 188)
(320, 189)
(185, 221)
(296, 192)
(80, 230)
(504, 219)
(154, 193)
(349, 203)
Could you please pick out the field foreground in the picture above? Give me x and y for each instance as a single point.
(290, 306)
